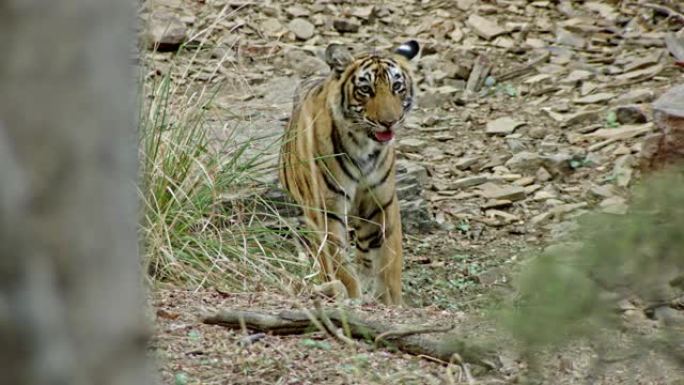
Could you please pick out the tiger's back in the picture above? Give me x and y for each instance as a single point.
(338, 162)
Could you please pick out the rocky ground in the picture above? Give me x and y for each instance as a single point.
(530, 114)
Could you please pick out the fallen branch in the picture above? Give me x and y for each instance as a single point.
(410, 341)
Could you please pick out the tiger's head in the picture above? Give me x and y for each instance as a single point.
(375, 89)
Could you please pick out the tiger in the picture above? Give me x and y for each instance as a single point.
(337, 161)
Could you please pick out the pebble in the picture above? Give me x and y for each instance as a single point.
(485, 28)
(502, 126)
(302, 28)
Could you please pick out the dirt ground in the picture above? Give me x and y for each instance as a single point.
(530, 114)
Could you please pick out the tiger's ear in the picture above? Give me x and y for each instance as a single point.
(409, 49)
(338, 57)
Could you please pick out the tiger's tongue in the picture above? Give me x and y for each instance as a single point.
(384, 136)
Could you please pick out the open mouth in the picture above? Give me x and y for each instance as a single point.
(383, 136)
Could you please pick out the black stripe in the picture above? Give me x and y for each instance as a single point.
(349, 74)
(362, 249)
(334, 217)
(377, 238)
(353, 138)
(379, 209)
(370, 236)
(364, 66)
(378, 241)
(346, 151)
(340, 155)
(374, 156)
(384, 158)
(332, 186)
(382, 180)
(343, 97)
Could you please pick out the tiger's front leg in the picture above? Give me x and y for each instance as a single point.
(379, 249)
(331, 247)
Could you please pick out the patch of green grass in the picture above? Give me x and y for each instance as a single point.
(204, 220)
(445, 284)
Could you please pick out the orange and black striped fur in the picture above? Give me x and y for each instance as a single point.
(338, 162)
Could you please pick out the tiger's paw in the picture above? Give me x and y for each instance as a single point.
(334, 289)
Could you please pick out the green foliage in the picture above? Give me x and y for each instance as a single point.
(611, 120)
(315, 344)
(181, 378)
(563, 293)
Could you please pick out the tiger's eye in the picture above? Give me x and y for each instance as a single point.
(396, 87)
(365, 89)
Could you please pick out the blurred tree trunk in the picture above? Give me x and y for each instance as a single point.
(71, 297)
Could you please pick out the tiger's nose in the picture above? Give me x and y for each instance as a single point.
(387, 123)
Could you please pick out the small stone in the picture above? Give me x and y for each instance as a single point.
(512, 193)
(577, 75)
(416, 217)
(640, 62)
(538, 132)
(464, 5)
(542, 175)
(524, 161)
(582, 117)
(524, 181)
(565, 37)
(407, 192)
(496, 203)
(412, 145)
(559, 163)
(622, 150)
(614, 205)
(412, 172)
(671, 102)
(587, 87)
(635, 97)
(630, 114)
(271, 26)
(671, 318)
(346, 25)
(502, 126)
(165, 31)
(301, 28)
(516, 145)
(601, 191)
(642, 73)
(456, 35)
(543, 195)
(465, 162)
(297, 11)
(622, 170)
(431, 98)
(595, 98)
(468, 182)
(363, 12)
(606, 11)
(538, 78)
(549, 146)
(485, 28)
(675, 45)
